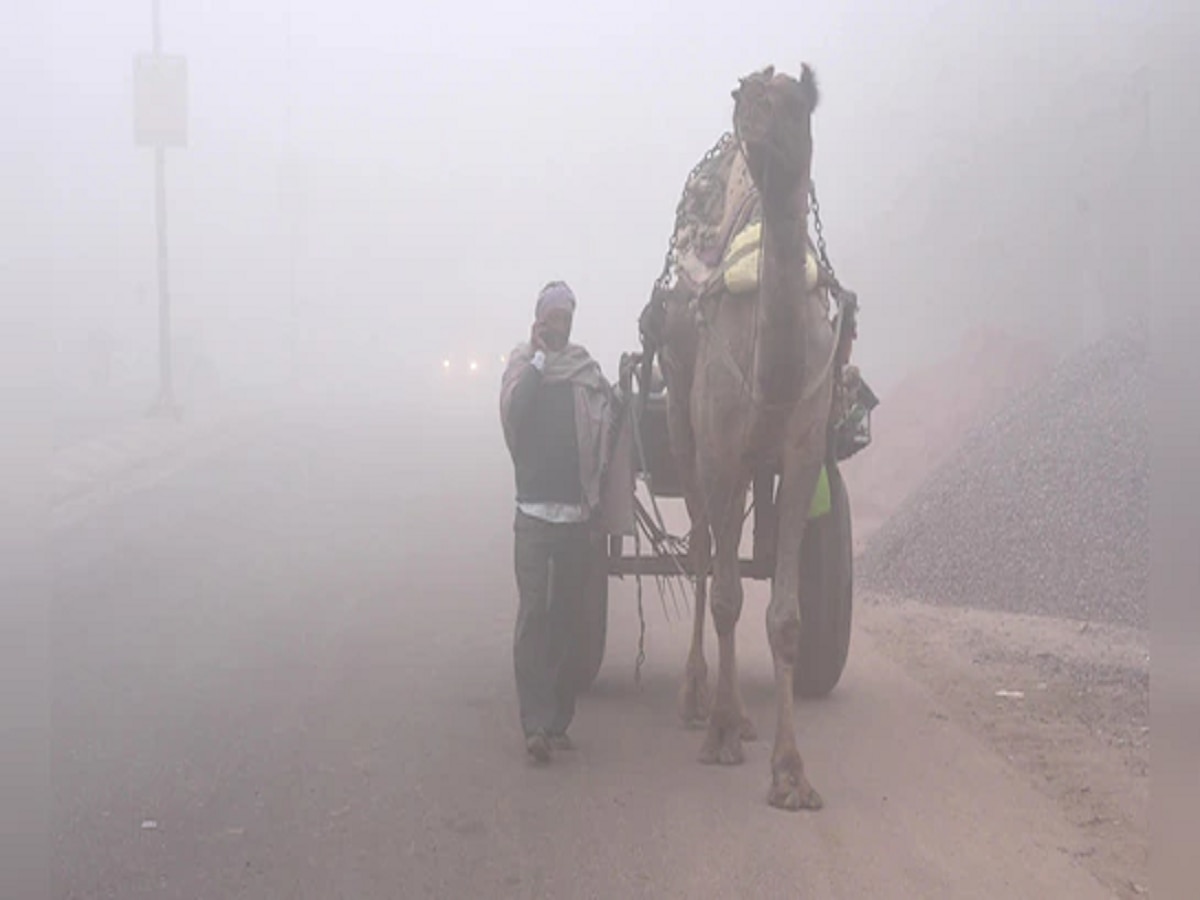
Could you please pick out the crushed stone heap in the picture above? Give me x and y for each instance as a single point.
(1044, 509)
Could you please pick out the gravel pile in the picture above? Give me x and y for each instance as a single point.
(927, 415)
(1044, 509)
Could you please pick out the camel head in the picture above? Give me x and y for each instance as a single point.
(772, 117)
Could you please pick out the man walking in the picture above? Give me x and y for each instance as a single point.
(555, 407)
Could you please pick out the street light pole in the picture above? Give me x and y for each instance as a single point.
(166, 396)
(292, 194)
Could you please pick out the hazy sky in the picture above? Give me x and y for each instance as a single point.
(428, 167)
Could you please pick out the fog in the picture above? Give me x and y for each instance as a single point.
(372, 190)
(369, 188)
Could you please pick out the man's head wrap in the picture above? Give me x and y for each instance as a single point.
(555, 295)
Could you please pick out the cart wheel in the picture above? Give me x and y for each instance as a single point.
(593, 618)
(826, 595)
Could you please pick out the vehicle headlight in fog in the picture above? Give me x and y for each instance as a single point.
(474, 366)
(445, 364)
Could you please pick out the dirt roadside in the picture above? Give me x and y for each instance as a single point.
(1067, 704)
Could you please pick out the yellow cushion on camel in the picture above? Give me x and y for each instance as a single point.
(821, 501)
(740, 266)
(739, 269)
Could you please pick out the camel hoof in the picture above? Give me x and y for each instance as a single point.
(722, 746)
(793, 799)
(749, 732)
(790, 789)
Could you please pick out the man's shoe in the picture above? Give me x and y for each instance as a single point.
(538, 748)
(561, 742)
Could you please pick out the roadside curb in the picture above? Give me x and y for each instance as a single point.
(95, 472)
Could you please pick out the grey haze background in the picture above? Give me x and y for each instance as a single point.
(395, 182)
(977, 162)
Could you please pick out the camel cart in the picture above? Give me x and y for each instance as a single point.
(643, 456)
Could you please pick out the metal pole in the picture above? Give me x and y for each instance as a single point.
(166, 396)
(1137, 320)
(167, 393)
(293, 195)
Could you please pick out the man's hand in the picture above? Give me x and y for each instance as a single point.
(536, 340)
(537, 343)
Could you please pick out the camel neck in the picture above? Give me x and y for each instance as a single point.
(785, 237)
(784, 211)
(780, 364)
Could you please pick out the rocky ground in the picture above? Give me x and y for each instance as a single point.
(1066, 704)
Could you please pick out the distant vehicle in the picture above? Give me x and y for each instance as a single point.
(473, 365)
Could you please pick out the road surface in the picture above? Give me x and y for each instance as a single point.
(285, 672)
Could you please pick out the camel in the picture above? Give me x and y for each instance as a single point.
(750, 386)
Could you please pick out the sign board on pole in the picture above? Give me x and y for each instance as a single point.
(160, 113)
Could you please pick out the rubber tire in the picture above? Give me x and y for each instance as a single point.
(592, 636)
(826, 595)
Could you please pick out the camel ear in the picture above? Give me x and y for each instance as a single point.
(808, 87)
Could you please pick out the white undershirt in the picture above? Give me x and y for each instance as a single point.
(556, 513)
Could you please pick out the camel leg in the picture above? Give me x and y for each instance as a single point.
(694, 697)
(723, 741)
(789, 786)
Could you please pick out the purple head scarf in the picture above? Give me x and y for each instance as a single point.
(555, 295)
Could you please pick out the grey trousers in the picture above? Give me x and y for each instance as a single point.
(551, 566)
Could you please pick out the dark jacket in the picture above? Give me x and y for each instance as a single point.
(545, 448)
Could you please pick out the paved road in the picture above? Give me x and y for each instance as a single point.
(285, 673)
